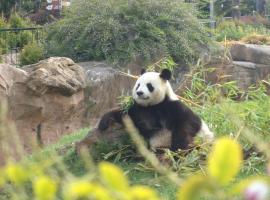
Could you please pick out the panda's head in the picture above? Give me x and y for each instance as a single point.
(152, 88)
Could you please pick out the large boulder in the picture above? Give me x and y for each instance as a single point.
(104, 85)
(55, 74)
(259, 54)
(247, 73)
(251, 63)
(9, 76)
(45, 100)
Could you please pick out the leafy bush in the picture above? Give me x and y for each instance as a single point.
(15, 39)
(3, 24)
(232, 30)
(121, 31)
(2, 46)
(31, 53)
(16, 21)
(18, 39)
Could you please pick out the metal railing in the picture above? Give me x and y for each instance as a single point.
(12, 40)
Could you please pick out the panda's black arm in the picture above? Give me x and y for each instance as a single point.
(113, 116)
(184, 124)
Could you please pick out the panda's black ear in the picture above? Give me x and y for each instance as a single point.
(166, 74)
(143, 71)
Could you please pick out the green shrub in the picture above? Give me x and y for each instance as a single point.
(31, 53)
(3, 23)
(18, 39)
(2, 46)
(121, 31)
(16, 21)
(232, 30)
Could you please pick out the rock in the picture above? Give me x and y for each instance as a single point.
(104, 86)
(9, 75)
(55, 74)
(259, 54)
(247, 73)
(45, 100)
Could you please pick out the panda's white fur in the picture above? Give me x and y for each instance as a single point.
(162, 88)
(205, 133)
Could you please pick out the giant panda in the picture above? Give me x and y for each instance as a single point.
(159, 116)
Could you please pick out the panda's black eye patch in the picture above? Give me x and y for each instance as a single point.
(150, 87)
(138, 86)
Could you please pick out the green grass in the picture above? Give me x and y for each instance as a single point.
(225, 118)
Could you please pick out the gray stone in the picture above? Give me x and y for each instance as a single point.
(247, 73)
(104, 85)
(259, 54)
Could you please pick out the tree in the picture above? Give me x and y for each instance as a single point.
(236, 12)
(6, 6)
(260, 6)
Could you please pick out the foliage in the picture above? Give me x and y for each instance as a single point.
(256, 39)
(6, 7)
(18, 39)
(163, 63)
(121, 31)
(3, 24)
(203, 7)
(31, 53)
(16, 21)
(126, 102)
(233, 30)
(50, 179)
(28, 5)
(15, 40)
(221, 169)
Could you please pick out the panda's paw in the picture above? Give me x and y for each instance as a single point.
(104, 123)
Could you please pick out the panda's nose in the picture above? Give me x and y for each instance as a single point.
(139, 93)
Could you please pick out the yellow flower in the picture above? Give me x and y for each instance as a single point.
(44, 188)
(113, 176)
(225, 160)
(142, 193)
(193, 188)
(84, 189)
(16, 174)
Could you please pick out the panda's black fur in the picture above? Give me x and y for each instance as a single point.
(171, 115)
